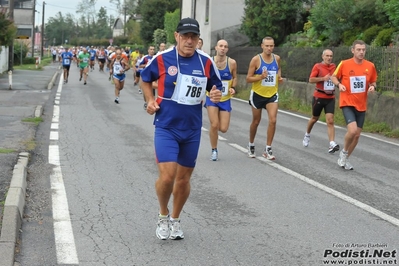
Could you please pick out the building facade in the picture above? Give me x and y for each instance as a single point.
(218, 19)
(24, 16)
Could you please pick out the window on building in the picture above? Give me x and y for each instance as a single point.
(207, 12)
(23, 4)
(193, 8)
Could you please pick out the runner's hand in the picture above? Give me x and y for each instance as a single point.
(371, 88)
(326, 77)
(215, 95)
(264, 74)
(341, 87)
(152, 107)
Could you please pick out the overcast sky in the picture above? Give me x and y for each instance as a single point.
(52, 7)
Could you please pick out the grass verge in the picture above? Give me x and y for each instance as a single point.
(30, 144)
(44, 62)
(5, 151)
(2, 204)
(288, 102)
(34, 120)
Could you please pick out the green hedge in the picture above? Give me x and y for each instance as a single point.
(29, 60)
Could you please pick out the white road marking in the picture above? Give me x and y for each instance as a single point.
(307, 118)
(56, 114)
(53, 135)
(219, 137)
(63, 233)
(64, 238)
(324, 188)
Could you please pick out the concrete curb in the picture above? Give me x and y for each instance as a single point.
(15, 201)
(51, 84)
(39, 111)
(14, 210)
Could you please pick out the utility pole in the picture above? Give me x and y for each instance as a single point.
(33, 28)
(42, 32)
(124, 22)
(11, 46)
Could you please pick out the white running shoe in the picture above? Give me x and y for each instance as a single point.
(176, 233)
(348, 165)
(251, 151)
(343, 157)
(214, 155)
(306, 140)
(268, 154)
(163, 227)
(333, 148)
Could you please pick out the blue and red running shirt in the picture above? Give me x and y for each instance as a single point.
(164, 67)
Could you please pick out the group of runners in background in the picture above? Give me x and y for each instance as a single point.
(117, 61)
(188, 79)
(114, 60)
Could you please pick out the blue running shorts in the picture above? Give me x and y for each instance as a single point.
(223, 106)
(120, 77)
(181, 146)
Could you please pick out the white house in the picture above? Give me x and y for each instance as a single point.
(218, 19)
(118, 27)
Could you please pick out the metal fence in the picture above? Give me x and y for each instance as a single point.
(297, 63)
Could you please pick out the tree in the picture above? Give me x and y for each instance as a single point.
(274, 18)
(122, 5)
(170, 24)
(133, 28)
(8, 30)
(153, 14)
(103, 28)
(69, 31)
(60, 28)
(88, 8)
(82, 26)
(391, 7)
(159, 37)
(337, 20)
(330, 18)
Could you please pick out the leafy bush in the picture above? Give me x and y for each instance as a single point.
(384, 38)
(349, 36)
(20, 49)
(371, 33)
(85, 42)
(29, 60)
(120, 40)
(159, 37)
(170, 24)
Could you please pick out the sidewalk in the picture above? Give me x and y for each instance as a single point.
(29, 92)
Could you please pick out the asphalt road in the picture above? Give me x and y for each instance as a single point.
(92, 200)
